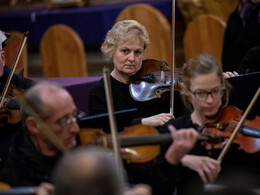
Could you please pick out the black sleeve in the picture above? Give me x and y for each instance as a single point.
(180, 122)
(164, 128)
(18, 81)
(168, 171)
(97, 102)
(166, 177)
(22, 83)
(251, 61)
(97, 99)
(137, 121)
(240, 37)
(232, 43)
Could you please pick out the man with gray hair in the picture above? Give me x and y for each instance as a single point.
(49, 117)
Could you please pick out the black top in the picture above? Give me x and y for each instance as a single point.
(8, 132)
(25, 166)
(189, 182)
(240, 37)
(251, 61)
(185, 122)
(122, 100)
(17, 80)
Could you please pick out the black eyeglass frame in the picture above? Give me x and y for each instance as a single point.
(205, 94)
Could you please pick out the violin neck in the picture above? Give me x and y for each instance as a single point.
(144, 140)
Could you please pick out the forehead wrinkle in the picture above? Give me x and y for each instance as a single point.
(47, 96)
(135, 40)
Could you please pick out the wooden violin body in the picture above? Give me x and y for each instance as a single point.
(152, 81)
(138, 143)
(248, 137)
(130, 140)
(10, 111)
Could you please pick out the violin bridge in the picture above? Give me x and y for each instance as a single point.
(163, 79)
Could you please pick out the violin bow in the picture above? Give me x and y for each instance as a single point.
(250, 106)
(173, 58)
(10, 76)
(112, 121)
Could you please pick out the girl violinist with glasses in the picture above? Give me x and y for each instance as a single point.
(205, 93)
(203, 88)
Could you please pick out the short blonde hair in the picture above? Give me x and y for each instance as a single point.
(121, 32)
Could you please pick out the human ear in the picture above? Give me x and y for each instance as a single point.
(184, 90)
(32, 126)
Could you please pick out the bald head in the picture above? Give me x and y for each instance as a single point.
(92, 171)
(43, 94)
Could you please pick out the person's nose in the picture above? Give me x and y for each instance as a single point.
(131, 56)
(209, 98)
(74, 127)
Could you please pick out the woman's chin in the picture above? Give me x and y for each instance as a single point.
(130, 72)
(210, 113)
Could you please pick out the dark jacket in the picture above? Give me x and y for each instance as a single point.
(240, 37)
(25, 165)
(251, 62)
(8, 131)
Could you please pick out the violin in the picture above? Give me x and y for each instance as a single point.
(10, 111)
(139, 136)
(138, 143)
(152, 81)
(9, 89)
(248, 137)
(4, 186)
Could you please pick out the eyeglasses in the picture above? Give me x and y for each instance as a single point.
(64, 122)
(203, 95)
